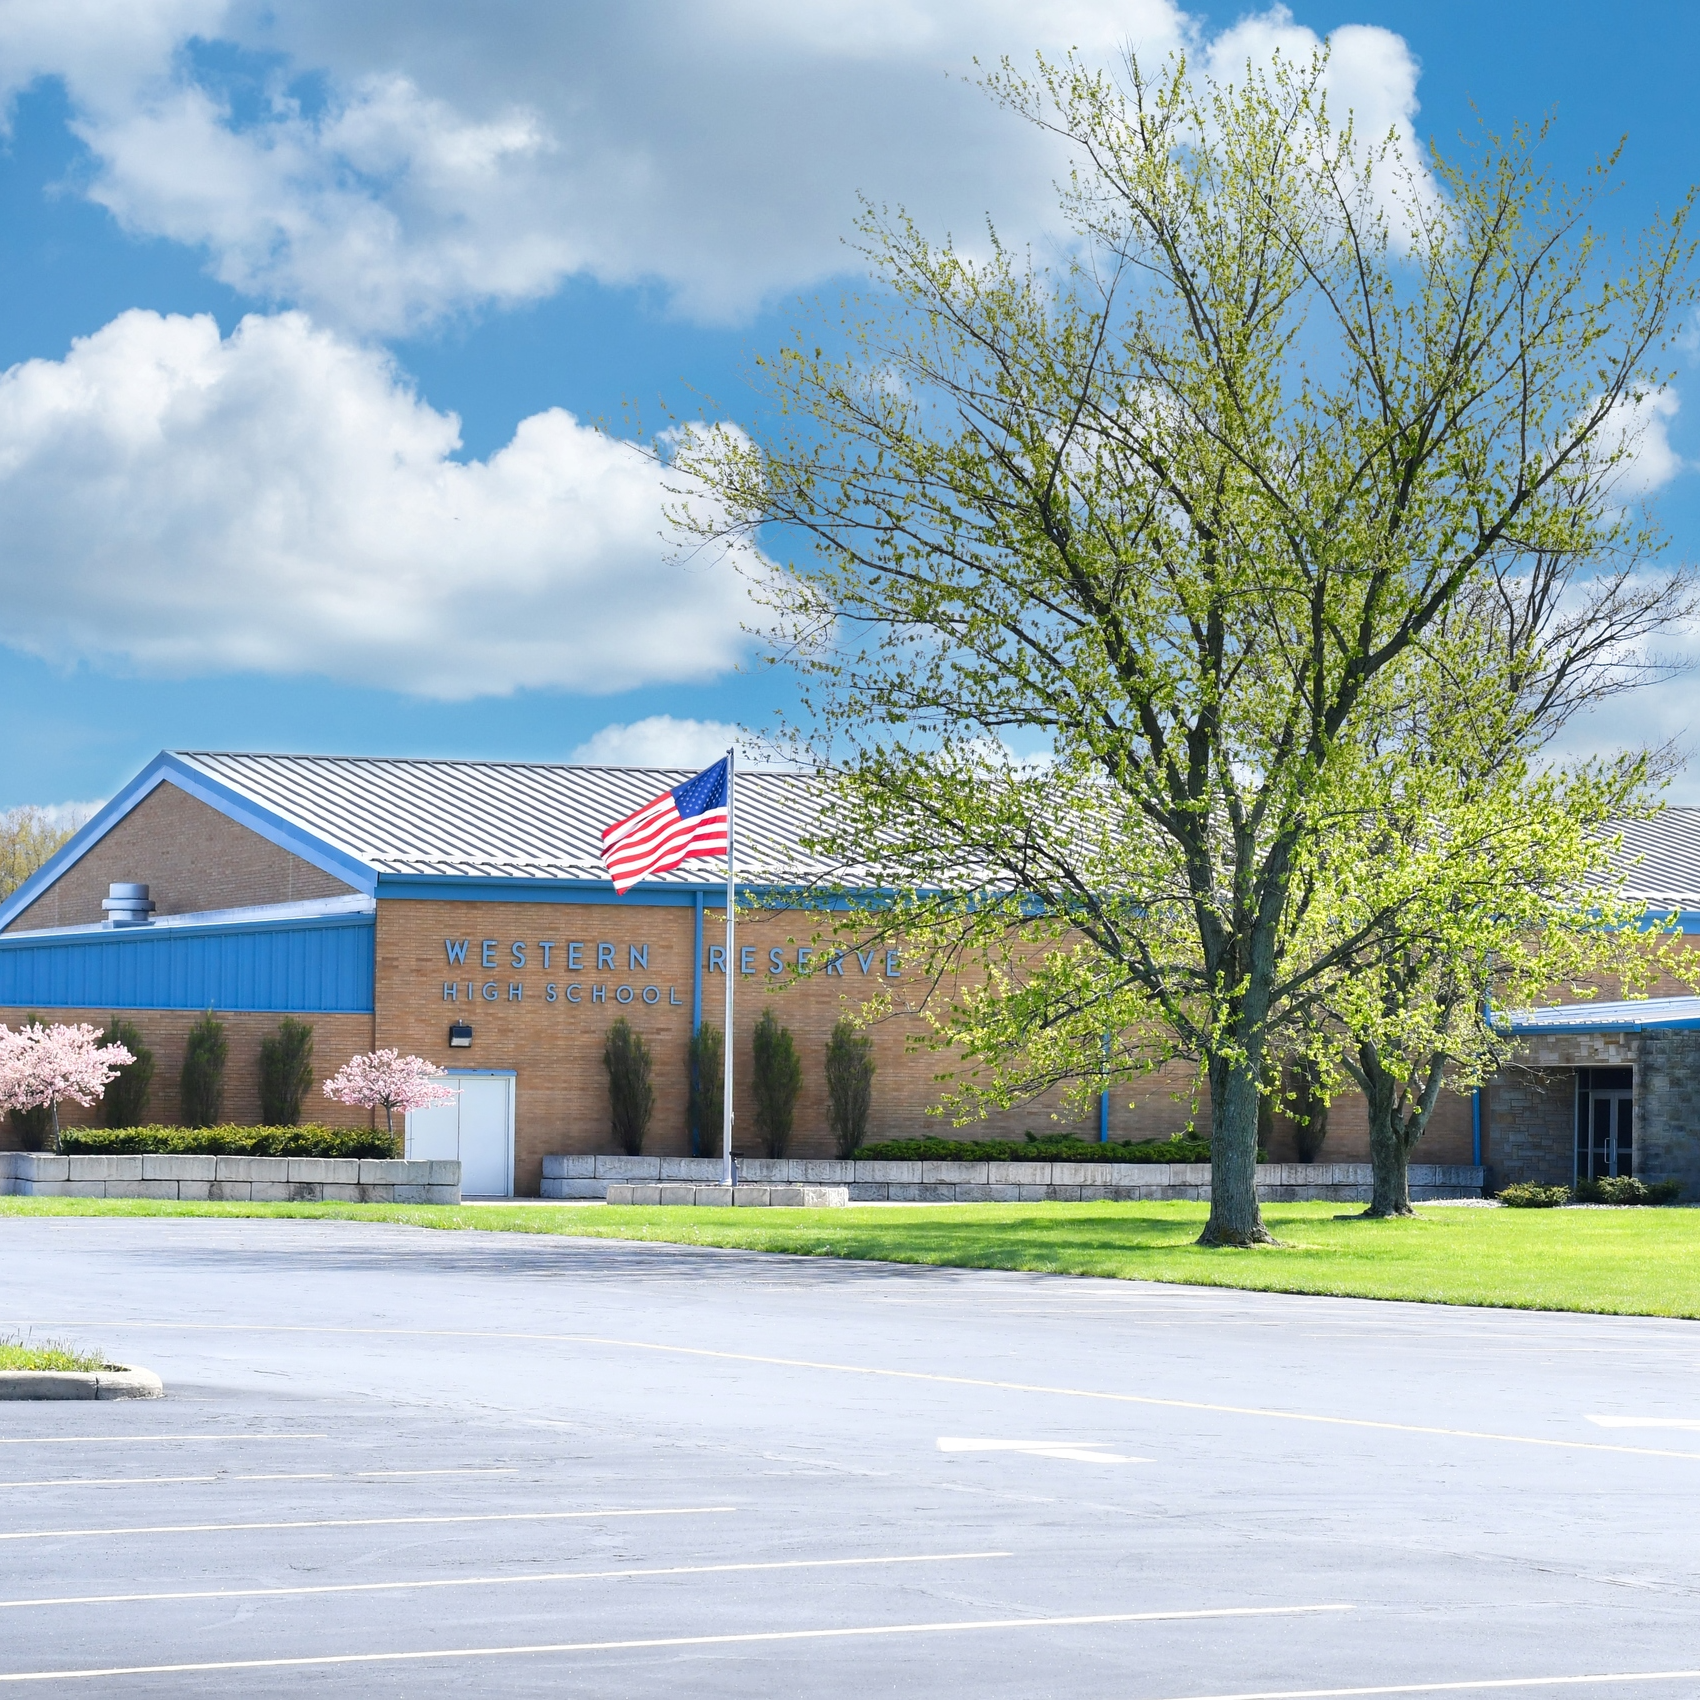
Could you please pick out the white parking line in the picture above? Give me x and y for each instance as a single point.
(137, 1439)
(770, 1635)
(1080, 1452)
(501, 1581)
(286, 1476)
(362, 1522)
(1479, 1686)
(1646, 1422)
(872, 1370)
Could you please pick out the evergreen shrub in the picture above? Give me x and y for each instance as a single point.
(849, 1084)
(774, 1084)
(1627, 1189)
(286, 1072)
(631, 1093)
(126, 1100)
(202, 1079)
(1525, 1195)
(708, 1090)
(312, 1140)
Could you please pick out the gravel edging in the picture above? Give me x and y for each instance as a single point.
(116, 1381)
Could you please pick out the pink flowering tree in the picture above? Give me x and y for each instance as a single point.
(40, 1065)
(387, 1080)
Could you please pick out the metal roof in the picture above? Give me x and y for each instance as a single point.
(1660, 858)
(1630, 1016)
(513, 820)
(252, 914)
(539, 820)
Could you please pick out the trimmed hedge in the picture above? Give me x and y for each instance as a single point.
(1525, 1195)
(1627, 1189)
(308, 1141)
(1033, 1150)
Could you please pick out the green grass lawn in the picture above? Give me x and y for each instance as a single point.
(1631, 1262)
(17, 1353)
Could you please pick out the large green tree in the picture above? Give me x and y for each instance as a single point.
(1184, 507)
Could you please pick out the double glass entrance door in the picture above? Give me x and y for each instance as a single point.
(1605, 1123)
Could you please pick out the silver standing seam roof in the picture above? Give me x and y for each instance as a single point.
(539, 820)
(1660, 858)
(513, 820)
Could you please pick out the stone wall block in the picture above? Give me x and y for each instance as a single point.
(171, 1166)
(565, 1167)
(410, 1194)
(229, 1191)
(252, 1169)
(972, 1173)
(560, 1189)
(623, 1168)
(344, 1170)
(386, 1171)
(443, 1194)
(44, 1166)
(826, 1171)
(868, 1192)
(872, 1171)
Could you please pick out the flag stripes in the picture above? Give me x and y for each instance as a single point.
(686, 822)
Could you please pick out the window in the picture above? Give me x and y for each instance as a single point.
(1605, 1122)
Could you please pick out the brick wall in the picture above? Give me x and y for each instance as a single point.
(555, 1047)
(189, 856)
(336, 1038)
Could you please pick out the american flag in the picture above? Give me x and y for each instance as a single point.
(689, 820)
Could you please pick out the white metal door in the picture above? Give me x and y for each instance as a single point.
(476, 1129)
(486, 1135)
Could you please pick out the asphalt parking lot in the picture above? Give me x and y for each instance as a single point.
(397, 1462)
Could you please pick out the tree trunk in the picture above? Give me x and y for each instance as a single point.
(1235, 1219)
(53, 1138)
(1390, 1193)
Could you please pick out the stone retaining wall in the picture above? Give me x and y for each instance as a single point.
(685, 1192)
(986, 1183)
(276, 1180)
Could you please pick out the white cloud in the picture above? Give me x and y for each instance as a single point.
(659, 741)
(714, 146)
(280, 501)
(1643, 428)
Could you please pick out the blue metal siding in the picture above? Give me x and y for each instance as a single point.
(321, 966)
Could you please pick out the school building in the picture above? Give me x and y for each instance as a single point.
(459, 910)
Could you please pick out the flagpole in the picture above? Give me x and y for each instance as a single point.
(726, 1044)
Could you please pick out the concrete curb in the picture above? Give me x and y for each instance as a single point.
(116, 1381)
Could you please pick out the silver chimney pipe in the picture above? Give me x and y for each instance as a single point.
(127, 905)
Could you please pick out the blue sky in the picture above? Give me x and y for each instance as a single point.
(309, 309)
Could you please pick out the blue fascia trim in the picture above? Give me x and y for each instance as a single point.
(48, 937)
(167, 767)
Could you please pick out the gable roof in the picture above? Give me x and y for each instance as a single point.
(365, 818)
(525, 820)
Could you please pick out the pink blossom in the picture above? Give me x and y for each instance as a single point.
(40, 1065)
(387, 1079)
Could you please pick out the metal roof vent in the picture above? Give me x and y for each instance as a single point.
(127, 905)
